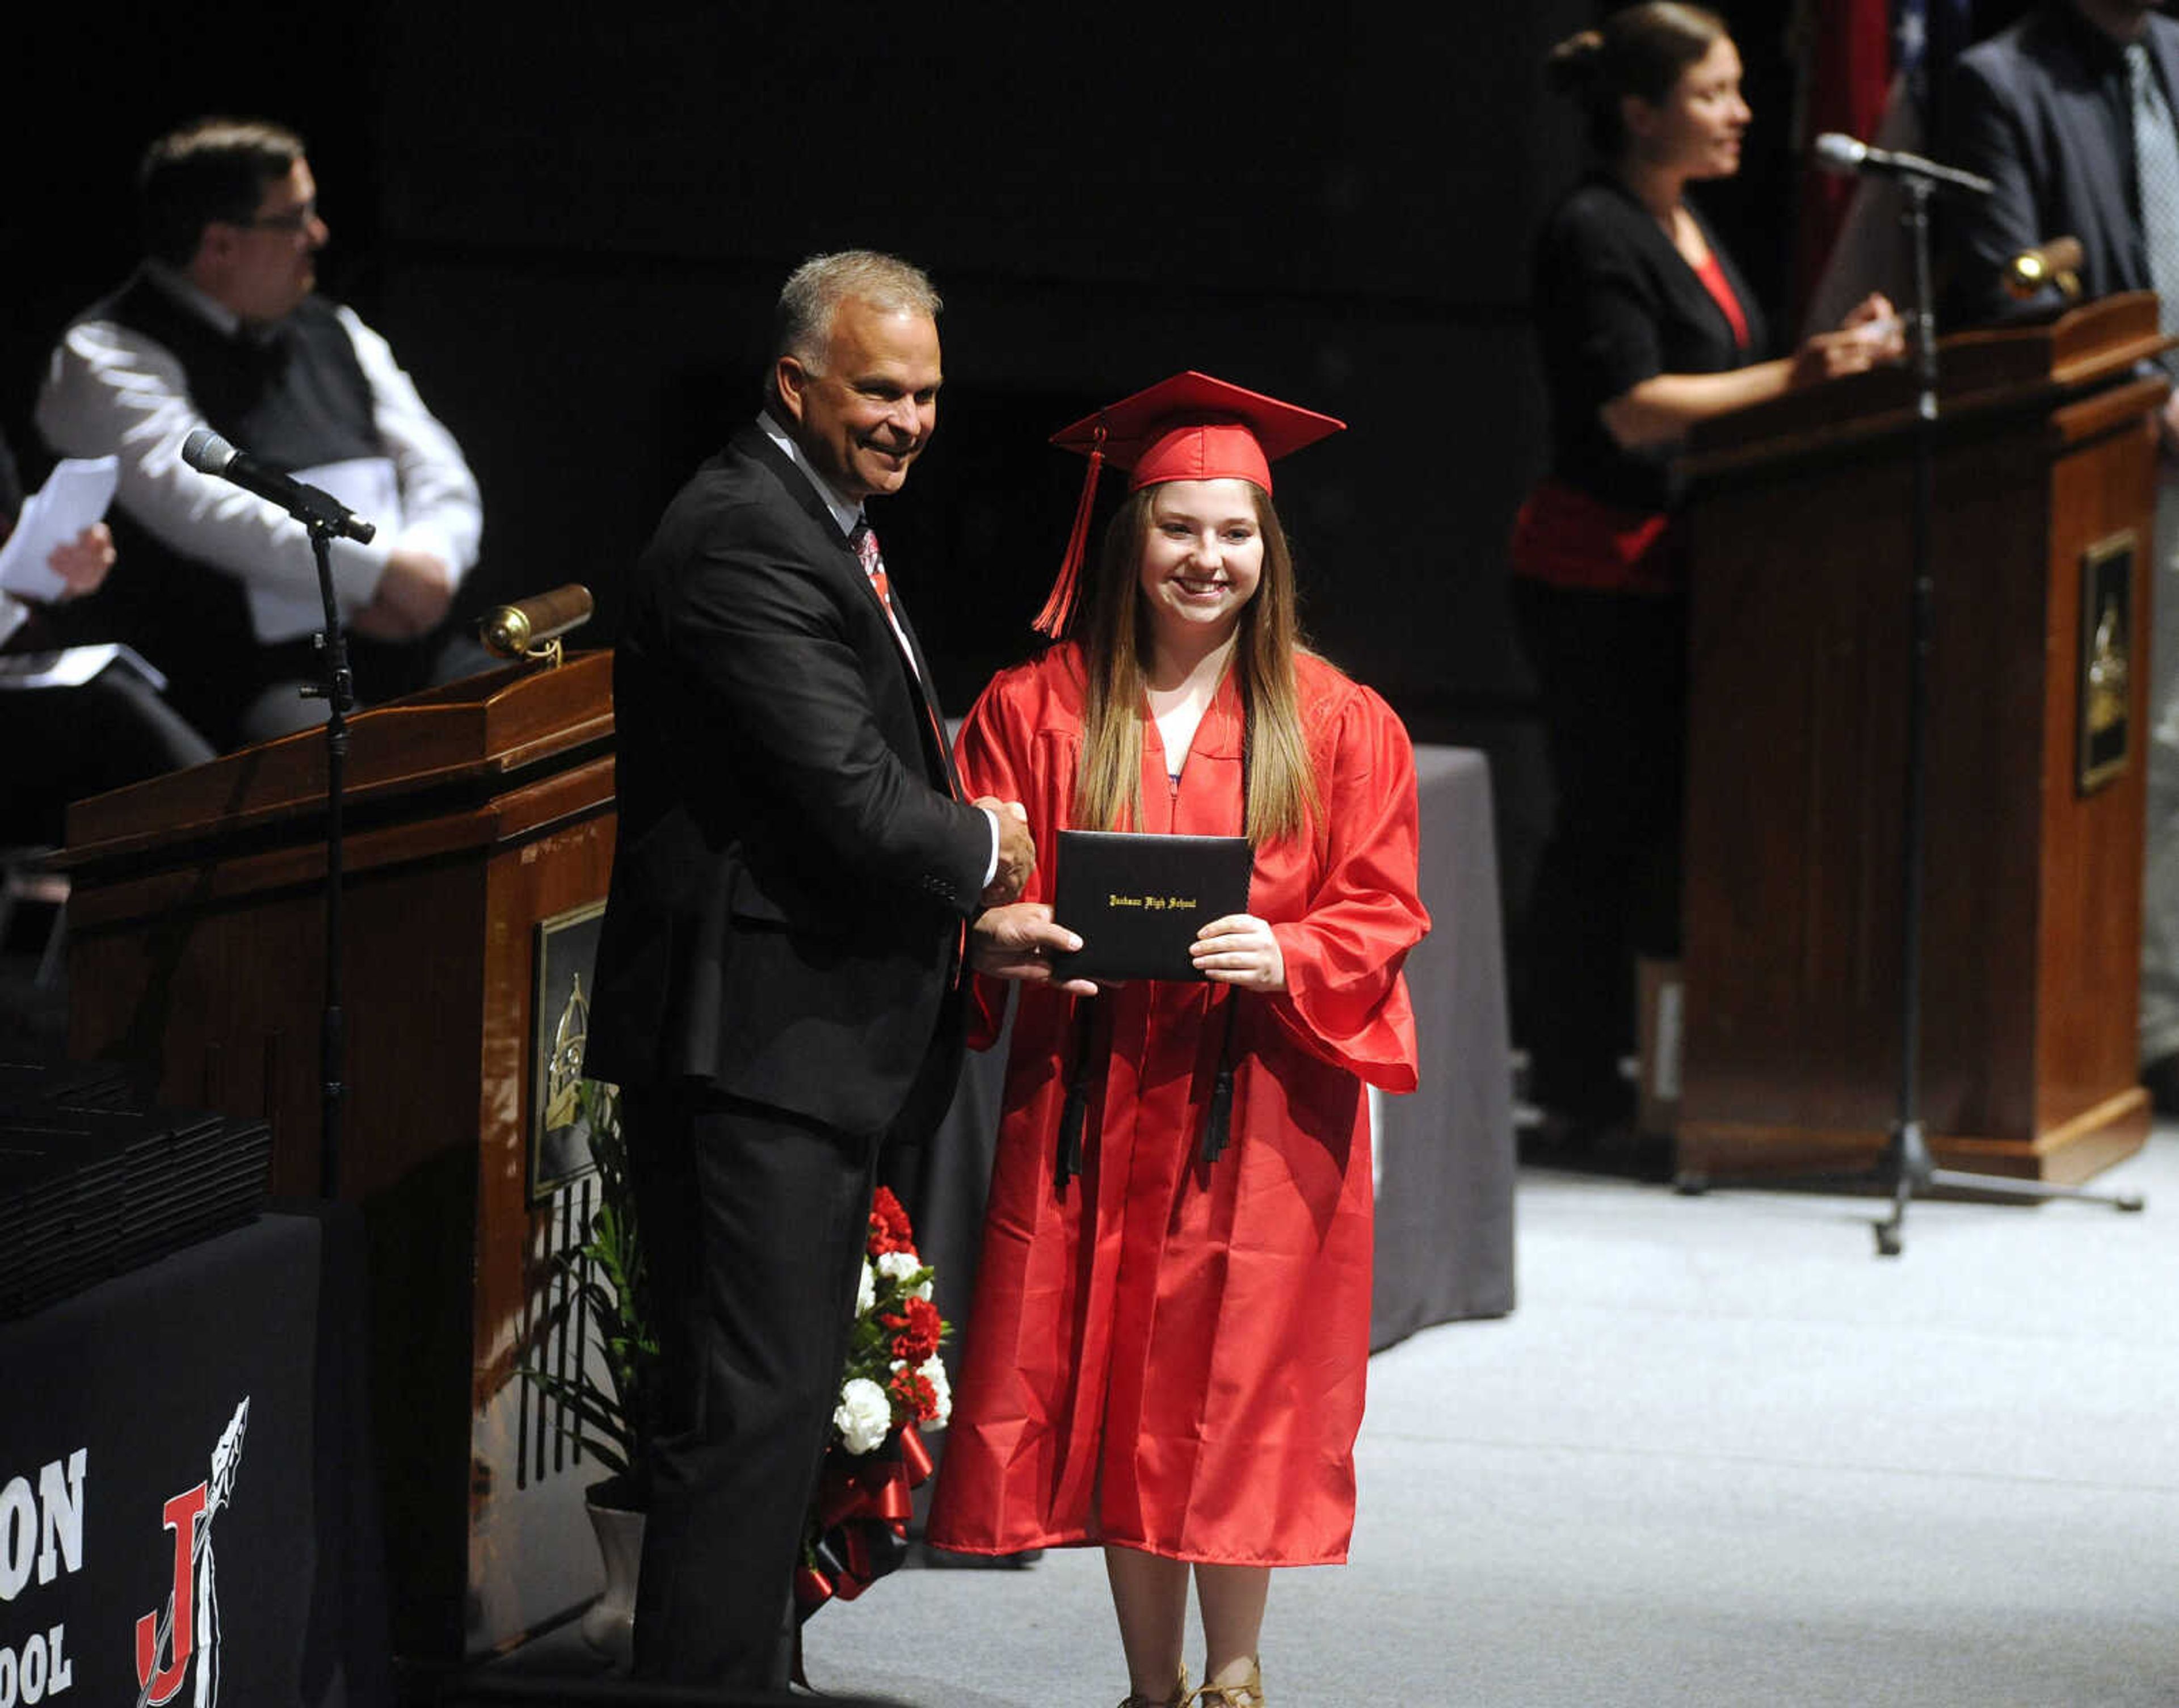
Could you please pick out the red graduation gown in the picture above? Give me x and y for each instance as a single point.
(1169, 1354)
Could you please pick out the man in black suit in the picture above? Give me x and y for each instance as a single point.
(2070, 114)
(2044, 109)
(776, 972)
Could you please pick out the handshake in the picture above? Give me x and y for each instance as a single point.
(1011, 938)
(1017, 850)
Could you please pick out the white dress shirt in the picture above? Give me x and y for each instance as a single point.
(111, 391)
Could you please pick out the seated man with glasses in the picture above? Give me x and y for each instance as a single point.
(220, 326)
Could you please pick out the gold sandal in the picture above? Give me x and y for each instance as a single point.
(1246, 1693)
(1181, 1697)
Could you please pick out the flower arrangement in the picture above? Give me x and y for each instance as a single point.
(892, 1380)
(893, 1376)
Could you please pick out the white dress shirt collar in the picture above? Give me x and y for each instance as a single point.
(846, 515)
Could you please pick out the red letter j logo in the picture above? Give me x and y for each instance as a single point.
(174, 1628)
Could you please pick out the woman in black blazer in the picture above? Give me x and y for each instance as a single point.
(1646, 326)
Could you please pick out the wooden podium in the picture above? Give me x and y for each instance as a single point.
(473, 814)
(2037, 732)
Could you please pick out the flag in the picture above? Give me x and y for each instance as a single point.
(1844, 50)
(1927, 37)
(1867, 250)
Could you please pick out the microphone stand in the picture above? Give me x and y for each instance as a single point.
(1904, 1167)
(1906, 1157)
(337, 690)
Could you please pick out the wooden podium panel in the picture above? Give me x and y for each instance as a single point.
(1800, 632)
(196, 940)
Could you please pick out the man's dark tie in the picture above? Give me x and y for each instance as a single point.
(2156, 178)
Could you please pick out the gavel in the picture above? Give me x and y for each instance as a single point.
(2057, 263)
(531, 628)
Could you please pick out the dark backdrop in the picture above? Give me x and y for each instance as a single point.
(571, 220)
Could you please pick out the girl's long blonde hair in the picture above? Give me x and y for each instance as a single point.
(1108, 785)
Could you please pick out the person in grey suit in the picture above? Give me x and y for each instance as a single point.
(777, 972)
(2047, 110)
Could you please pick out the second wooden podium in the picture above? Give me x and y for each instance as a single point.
(2037, 733)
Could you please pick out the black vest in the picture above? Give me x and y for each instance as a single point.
(292, 400)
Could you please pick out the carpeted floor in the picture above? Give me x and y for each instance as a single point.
(1722, 1455)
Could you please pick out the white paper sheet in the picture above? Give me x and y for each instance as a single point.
(74, 666)
(75, 495)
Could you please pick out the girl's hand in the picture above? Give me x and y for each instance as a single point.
(1239, 949)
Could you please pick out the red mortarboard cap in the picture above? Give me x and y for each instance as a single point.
(1190, 427)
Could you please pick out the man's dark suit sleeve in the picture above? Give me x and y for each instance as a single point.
(757, 636)
(1988, 133)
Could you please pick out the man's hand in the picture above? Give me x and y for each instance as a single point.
(1017, 942)
(1017, 850)
(82, 562)
(413, 598)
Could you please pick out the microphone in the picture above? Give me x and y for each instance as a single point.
(2057, 262)
(1835, 151)
(516, 631)
(208, 454)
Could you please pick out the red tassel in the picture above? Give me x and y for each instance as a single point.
(1059, 608)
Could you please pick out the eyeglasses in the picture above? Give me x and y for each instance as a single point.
(295, 219)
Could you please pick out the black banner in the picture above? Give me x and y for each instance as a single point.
(157, 1507)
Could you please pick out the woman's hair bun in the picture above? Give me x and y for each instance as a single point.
(1573, 65)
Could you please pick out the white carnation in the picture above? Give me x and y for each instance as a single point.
(897, 1265)
(864, 1416)
(866, 1295)
(934, 1372)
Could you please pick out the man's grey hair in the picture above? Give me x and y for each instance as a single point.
(802, 324)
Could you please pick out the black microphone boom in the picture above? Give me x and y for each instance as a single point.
(1835, 151)
(208, 454)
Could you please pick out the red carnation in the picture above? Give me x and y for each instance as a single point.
(913, 1395)
(889, 1227)
(916, 1327)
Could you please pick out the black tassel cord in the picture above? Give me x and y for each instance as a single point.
(1218, 1119)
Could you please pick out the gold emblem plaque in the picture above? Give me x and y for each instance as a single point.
(567, 946)
(2108, 661)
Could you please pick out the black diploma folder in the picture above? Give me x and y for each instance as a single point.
(1137, 901)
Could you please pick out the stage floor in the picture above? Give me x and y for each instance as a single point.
(1720, 1453)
